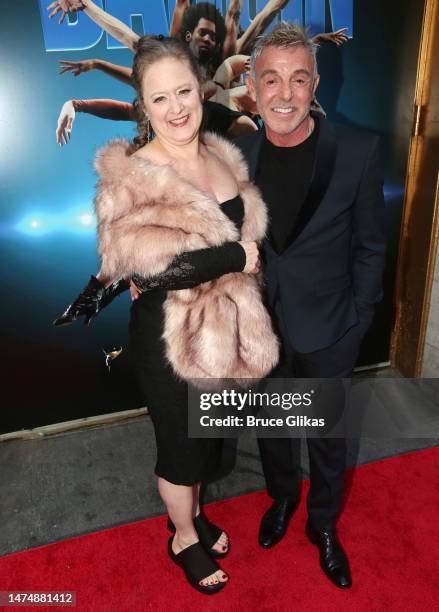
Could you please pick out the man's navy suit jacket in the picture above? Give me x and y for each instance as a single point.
(329, 276)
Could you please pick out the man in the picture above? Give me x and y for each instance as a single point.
(204, 30)
(324, 260)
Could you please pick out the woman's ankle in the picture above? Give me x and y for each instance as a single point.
(184, 538)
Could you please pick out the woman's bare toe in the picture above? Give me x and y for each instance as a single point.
(222, 544)
(215, 578)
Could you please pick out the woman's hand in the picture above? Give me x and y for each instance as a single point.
(65, 123)
(252, 260)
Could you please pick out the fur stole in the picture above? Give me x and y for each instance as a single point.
(147, 214)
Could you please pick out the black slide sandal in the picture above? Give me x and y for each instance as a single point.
(197, 565)
(208, 534)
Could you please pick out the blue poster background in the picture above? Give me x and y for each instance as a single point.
(48, 245)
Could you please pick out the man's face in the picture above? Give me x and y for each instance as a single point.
(284, 85)
(202, 41)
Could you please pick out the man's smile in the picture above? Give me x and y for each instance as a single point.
(284, 110)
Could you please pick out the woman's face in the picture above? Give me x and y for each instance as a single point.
(172, 99)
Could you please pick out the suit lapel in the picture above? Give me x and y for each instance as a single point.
(252, 150)
(322, 172)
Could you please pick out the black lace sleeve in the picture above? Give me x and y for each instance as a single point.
(195, 267)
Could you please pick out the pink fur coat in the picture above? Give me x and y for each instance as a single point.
(147, 214)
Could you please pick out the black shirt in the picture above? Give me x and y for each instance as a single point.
(284, 176)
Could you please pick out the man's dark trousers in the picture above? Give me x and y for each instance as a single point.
(327, 456)
(321, 291)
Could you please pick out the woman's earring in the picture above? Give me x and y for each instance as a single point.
(148, 130)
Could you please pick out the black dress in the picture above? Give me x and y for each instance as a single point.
(180, 460)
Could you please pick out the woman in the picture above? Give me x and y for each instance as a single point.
(170, 213)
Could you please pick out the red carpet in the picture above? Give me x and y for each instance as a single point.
(389, 528)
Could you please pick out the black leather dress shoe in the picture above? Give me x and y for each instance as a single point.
(333, 559)
(275, 521)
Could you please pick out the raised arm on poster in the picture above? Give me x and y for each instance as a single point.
(230, 69)
(237, 99)
(266, 16)
(238, 63)
(258, 25)
(104, 108)
(116, 28)
(232, 21)
(65, 123)
(110, 24)
(177, 17)
(122, 73)
(339, 37)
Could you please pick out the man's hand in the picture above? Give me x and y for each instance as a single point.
(77, 68)
(135, 291)
(65, 123)
(339, 37)
(65, 7)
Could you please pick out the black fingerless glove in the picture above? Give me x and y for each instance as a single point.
(92, 299)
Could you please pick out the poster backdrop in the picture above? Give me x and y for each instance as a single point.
(48, 247)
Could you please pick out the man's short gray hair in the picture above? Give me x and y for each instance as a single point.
(284, 35)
